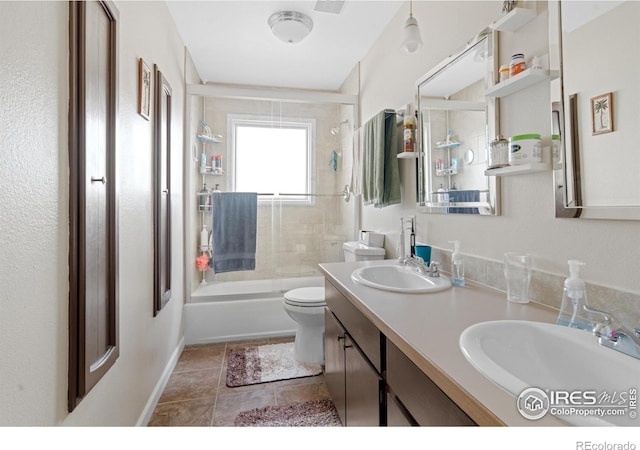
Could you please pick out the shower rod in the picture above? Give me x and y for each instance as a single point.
(346, 193)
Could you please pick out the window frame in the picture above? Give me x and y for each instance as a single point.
(307, 123)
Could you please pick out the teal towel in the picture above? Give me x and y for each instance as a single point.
(380, 173)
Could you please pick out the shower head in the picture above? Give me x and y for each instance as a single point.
(336, 130)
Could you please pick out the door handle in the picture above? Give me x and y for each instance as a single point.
(95, 180)
(165, 191)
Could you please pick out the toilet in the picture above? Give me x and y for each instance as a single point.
(306, 307)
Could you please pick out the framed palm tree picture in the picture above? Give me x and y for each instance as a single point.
(602, 114)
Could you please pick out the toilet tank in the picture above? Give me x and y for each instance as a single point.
(357, 251)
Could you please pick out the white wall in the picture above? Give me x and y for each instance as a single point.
(527, 223)
(34, 220)
(606, 157)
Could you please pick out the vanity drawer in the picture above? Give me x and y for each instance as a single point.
(363, 332)
(424, 401)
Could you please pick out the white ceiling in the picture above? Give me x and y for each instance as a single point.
(231, 42)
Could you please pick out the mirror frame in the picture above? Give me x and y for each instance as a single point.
(567, 174)
(492, 121)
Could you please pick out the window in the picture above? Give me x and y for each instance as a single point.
(273, 157)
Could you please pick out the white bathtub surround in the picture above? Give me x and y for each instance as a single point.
(237, 310)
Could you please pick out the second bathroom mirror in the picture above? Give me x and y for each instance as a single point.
(457, 122)
(595, 108)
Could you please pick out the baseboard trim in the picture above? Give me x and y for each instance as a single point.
(147, 412)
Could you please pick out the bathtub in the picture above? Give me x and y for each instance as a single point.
(237, 310)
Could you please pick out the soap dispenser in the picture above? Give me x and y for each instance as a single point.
(457, 265)
(574, 299)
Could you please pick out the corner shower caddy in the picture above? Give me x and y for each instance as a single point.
(205, 207)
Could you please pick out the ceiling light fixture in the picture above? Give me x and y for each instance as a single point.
(411, 40)
(290, 26)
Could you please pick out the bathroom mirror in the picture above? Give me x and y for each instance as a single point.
(456, 123)
(595, 108)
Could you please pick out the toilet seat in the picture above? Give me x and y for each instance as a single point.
(305, 297)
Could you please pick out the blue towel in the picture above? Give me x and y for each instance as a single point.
(234, 231)
(460, 196)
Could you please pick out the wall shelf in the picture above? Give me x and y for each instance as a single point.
(208, 139)
(447, 144)
(523, 80)
(514, 20)
(211, 171)
(518, 170)
(408, 155)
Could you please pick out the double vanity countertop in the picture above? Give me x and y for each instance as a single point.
(427, 329)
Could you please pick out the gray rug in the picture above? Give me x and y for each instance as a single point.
(266, 363)
(319, 413)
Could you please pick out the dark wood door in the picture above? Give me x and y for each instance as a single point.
(363, 388)
(93, 337)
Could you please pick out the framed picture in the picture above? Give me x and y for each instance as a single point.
(144, 89)
(602, 114)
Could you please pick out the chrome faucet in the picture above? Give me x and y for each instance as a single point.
(433, 269)
(613, 334)
(417, 262)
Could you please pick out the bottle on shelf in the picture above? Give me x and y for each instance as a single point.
(409, 130)
(204, 239)
(203, 161)
(443, 195)
(204, 198)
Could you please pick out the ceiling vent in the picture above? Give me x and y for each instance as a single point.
(329, 6)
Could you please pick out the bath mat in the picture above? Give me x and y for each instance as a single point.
(265, 363)
(319, 413)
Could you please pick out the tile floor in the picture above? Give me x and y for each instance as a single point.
(196, 393)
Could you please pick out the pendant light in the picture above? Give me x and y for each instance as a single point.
(411, 41)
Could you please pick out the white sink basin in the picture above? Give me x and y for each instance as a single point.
(398, 278)
(518, 355)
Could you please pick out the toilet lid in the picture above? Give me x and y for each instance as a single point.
(309, 296)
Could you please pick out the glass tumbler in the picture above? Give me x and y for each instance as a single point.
(517, 272)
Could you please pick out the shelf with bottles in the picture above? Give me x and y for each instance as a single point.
(216, 165)
(204, 198)
(446, 167)
(523, 80)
